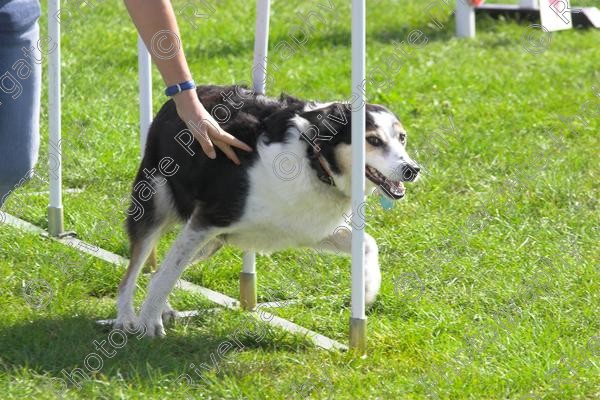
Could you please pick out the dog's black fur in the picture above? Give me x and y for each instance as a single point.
(258, 118)
(252, 206)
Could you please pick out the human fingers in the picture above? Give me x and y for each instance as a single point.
(226, 148)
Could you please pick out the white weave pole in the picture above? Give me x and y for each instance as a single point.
(145, 90)
(248, 296)
(55, 208)
(464, 18)
(261, 45)
(358, 318)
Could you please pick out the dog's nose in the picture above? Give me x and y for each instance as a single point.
(410, 172)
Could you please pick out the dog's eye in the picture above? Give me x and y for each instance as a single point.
(402, 137)
(374, 141)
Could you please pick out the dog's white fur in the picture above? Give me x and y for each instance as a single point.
(301, 212)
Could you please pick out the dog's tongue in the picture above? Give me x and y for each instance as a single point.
(386, 202)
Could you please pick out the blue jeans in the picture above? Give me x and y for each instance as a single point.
(20, 83)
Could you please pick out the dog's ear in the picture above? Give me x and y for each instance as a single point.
(328, 124)
(334, 117)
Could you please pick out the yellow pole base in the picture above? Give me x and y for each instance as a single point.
(55, 221)
(358, 335)
(248, 291)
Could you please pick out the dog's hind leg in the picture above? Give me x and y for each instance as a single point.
(205, 252)
(141, 248)
(341, 241)
(168, 313)
(181, 253)
(144, 232)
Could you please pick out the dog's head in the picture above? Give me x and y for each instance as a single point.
(329, 135)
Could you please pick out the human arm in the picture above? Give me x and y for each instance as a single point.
(157, 25)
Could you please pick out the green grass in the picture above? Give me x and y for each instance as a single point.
(490, 275)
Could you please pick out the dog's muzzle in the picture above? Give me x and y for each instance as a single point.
(393, 187)
(390, 187)
(410, 172)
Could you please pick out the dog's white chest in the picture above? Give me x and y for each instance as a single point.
(282, 212)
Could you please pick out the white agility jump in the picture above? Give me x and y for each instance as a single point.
(553, 15)
(248, 294)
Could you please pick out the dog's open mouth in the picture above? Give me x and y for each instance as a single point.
(391, 188)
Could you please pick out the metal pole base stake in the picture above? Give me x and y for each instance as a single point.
(358, 335)
(55, 221)
(248, 291)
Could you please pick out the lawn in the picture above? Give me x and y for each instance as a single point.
(490, 263)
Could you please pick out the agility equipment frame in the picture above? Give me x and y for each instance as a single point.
(248, 280)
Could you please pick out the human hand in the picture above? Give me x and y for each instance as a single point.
(204, 128)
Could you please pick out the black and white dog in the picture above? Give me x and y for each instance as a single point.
(293, 190)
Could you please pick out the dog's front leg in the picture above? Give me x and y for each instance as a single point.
(179, 256)
(341, 241)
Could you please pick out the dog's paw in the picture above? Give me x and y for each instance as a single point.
(370, 297)
(372, 285)
(168, 314)
(126, 322)
(151, 326)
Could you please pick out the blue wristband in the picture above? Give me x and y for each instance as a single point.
(180, 87)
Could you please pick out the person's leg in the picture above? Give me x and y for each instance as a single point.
(20, 82)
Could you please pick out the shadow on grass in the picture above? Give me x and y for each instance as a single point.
(315, 42)
(76, 349)
(397, 34)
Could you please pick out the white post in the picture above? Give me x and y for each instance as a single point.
(358, 319)
(248, 297)
(464, 19)
(261, 45)
(55, 208)
(145, 82)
